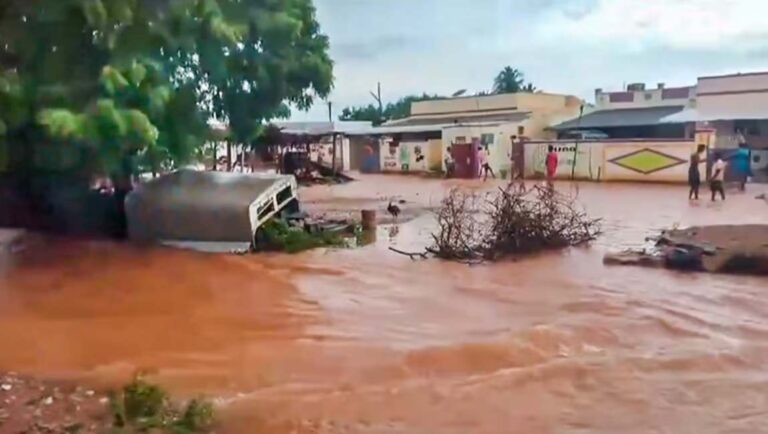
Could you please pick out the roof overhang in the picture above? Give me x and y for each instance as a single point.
(386, 130)
(621, 118)
(693, 115)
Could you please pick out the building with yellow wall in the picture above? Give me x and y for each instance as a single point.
(419, 142)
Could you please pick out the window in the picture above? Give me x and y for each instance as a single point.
(266, 209)
(648, 96)
(284, 196)
(676, 93)
(621, 96)
(520, 131)
(748, 127)
(460, 140)
(486, 139)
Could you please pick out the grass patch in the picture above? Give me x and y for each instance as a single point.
(143, 407)
(278, 236)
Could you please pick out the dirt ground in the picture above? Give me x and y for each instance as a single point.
(31, 406)
(739, 248)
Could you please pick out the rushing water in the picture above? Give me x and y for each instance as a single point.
(369, 341)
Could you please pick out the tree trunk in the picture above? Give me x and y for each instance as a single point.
(215, 155)
(229, 156)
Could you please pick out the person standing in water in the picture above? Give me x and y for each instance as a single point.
(450, 163)
(551, 163)
(742, 165)
(694, 175)
(485, 167)
(718, 176)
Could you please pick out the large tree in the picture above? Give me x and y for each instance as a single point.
(117, 84)
(511, 80)
(397, 110)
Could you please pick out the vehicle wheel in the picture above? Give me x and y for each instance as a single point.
(259, 240)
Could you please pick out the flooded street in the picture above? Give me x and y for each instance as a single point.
(368, 341)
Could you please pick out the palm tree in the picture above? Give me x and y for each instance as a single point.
(511, 80)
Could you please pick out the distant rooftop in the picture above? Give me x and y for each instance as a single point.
(621, 118)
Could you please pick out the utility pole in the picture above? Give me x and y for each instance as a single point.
(377, 97)
(330, 120)
(576, 145)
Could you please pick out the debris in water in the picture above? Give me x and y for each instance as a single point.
(512, 221)
(740, 249)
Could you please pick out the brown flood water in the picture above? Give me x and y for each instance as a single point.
(367, 341)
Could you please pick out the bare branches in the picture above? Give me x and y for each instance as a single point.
(412, 255)
(512, 221)
(459, 233)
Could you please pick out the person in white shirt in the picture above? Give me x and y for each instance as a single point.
(485, 167)
(450, 164)
(716, 181)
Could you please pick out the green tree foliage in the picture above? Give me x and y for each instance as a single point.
(130, 84)
(397, 110)
(511, 80)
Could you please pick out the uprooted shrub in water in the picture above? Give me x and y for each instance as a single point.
(511, 221)
(278, 236)
(143, 407)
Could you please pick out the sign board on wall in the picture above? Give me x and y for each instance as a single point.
(389, 155)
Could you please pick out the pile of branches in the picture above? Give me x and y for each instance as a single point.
(511, 221)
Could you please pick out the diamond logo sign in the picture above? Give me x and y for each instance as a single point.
(647, 161)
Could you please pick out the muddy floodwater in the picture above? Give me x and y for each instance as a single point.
(368, 341)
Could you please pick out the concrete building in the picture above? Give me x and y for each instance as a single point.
(464, 124)
(636, 112)
(736, 107)
(321, 136)
(729, 104)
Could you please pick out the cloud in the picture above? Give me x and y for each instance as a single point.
(738, 25)
(567, 46)
(370, 49)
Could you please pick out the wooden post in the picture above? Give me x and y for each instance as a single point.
(368, 219)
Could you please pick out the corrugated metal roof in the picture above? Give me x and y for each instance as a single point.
(621, 118)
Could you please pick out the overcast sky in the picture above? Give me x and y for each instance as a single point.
(564, 46)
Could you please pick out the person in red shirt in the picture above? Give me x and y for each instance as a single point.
(551, 163)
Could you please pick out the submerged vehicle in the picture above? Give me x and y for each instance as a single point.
(211, 211)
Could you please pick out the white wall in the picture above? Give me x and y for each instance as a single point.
(614, 160)
(733, 97)
(325, 149)
(403, 156)
(582, 161)
(731, 83)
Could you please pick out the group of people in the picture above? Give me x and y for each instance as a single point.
(485, 169)
(741, 169)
